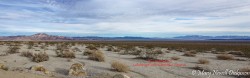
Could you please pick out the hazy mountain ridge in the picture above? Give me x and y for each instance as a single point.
(201, 37)
(44, 36)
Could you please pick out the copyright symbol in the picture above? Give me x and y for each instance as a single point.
(193, 72)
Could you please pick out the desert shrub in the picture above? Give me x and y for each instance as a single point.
(136, 52)
(65, 54)
(13, 49)
(225, 57)
(120, 67)
(40, 57)
(158, 51)
(92, 47)
(30, 45)
(203, 61)
(88, 52)
(97, 56)
(175, 58)
(189, 54)
(27, 54)
(76, 49)
(149, 54)
(110, 48)
(117, 50)
(5, 68)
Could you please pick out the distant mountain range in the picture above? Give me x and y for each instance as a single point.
(44, 36)
(38, 36)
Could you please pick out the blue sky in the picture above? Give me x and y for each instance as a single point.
(149, 18)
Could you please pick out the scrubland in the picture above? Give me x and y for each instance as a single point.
(122, 59)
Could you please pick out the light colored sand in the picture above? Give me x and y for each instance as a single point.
(60, 66)
(15, 74)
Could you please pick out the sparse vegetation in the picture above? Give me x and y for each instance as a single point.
(27, 54)
(92, 47)
(203, 61)
(175, 58)
(88, 52)
(189, 54)
(13, 49)
(65, 54)
(120, 67)
(225, 57)
(40, 57)
(97, 56)
(150, 54)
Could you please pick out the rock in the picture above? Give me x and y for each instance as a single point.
(41, 69)
(121, 76)
(77, 69)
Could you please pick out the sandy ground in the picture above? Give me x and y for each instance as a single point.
(60, 66)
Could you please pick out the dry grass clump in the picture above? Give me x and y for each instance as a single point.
(225, 57)
(120, 67)
(65, 54)
(40, 57)
(175, 58)
(189, 54)
(97, 56)
(27, 54)
(13, 49)
(203, 61)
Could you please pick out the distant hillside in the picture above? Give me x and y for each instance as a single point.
(38, 36)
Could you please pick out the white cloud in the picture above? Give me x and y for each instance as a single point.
(126, 17)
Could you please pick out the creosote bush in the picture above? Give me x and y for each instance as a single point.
(92, 47)
(120, 67)
(225, 57)
(203, 61)
(97, 56)
(149, 54)
(175, 58)
(13, 49)
(65, 54)
(27, 54)
(189, 54)
(40, 57)
(88, 52)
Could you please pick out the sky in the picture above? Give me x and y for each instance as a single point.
(145, 18)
